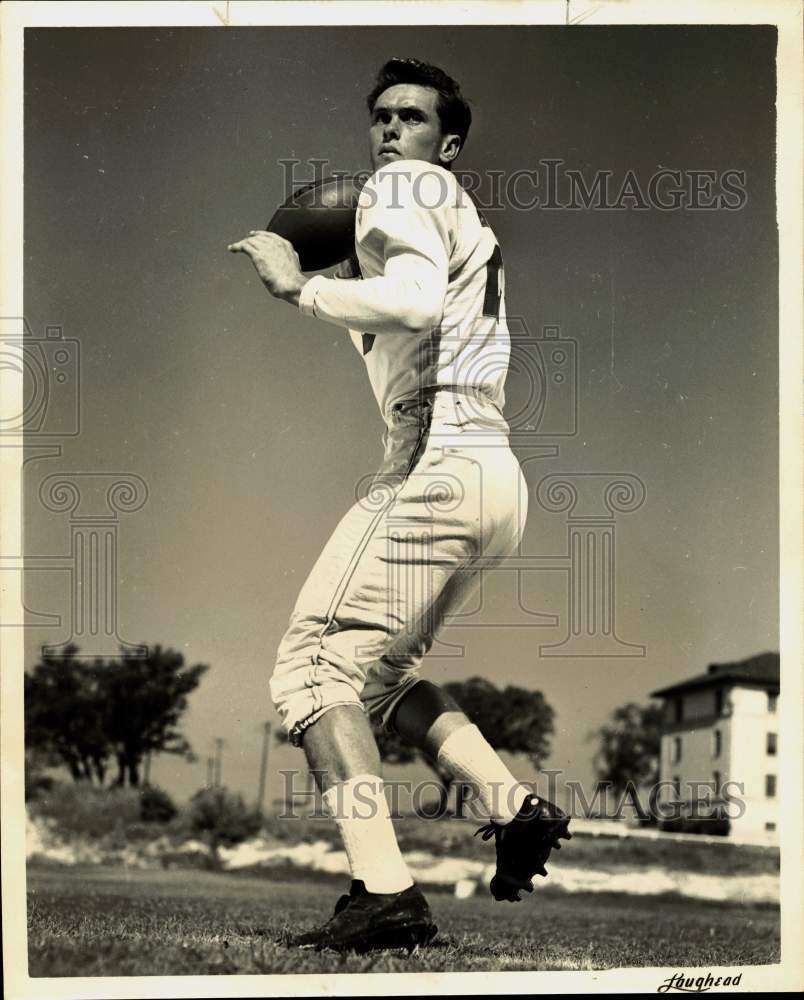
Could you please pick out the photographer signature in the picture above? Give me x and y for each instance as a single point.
(697, 984)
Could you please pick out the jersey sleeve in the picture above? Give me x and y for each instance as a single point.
(406, 220)
(408, 207)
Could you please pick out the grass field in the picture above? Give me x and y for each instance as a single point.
(99, 922)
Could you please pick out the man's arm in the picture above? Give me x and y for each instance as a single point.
(407, 298)
(412, 239)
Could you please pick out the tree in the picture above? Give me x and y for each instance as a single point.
(65, 715)
(629, 746)
(146, 698)
(393, 749)
(81, 714)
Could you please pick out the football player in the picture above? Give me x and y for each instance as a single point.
(423, 300)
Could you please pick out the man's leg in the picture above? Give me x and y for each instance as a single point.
(368, 593)
(340, 746)
(368, 597)
(341, 750)
(430, 719)
(525, 828)
(384, 908)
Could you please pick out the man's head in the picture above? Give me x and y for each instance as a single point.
(417, 113)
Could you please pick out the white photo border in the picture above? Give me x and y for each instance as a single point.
(786, 15)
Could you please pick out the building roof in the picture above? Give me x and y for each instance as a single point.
(756, 671)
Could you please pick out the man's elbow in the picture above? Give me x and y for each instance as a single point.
(419, 324)
(421, 317)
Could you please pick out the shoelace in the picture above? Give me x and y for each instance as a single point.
(488, 831)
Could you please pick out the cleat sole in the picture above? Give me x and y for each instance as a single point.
(411, 938)
(507, 890)
(551, 827)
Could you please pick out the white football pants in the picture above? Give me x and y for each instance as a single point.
(448, 501)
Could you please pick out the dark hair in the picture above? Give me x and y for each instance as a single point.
(453, 111)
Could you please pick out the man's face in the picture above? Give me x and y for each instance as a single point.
(405, 126)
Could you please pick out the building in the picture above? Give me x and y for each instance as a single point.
(720, 729)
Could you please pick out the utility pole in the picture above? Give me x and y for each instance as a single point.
(266, 738)
(218, 760)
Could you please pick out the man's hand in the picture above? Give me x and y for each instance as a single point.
(276, 262)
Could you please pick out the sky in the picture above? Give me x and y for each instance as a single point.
(149, 150)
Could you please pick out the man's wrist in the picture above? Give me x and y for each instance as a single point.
(293, 294)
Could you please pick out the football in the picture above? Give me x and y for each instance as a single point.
(319, 220)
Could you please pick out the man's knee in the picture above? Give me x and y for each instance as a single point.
(303, 692)
(382, 700)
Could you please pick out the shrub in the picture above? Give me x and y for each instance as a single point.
(37, 781)
(83, 810)
(714, 824)
(222, 818)
(156, 806)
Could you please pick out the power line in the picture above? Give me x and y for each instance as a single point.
(219, 742)
(266, 738)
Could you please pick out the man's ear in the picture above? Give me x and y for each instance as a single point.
(450, 147)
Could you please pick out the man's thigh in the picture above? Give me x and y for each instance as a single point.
(389, 678)
(401, 560)
(487, 511)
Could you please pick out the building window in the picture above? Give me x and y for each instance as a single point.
(717, 743)
(676, 750)
(770, 786)
(772, 700)
(716, 782)
(771, 745)
(677, 787)
(770, 827)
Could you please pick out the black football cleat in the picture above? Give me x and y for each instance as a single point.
(369, 921)
(524, 845)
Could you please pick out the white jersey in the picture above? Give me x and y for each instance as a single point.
(430, 309)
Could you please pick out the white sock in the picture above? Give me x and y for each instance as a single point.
(466, 755)
(360, 809)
